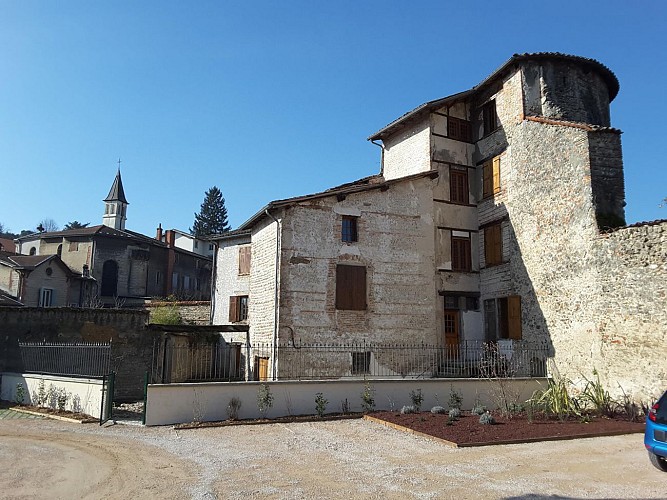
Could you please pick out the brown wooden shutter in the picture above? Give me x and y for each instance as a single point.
(493, 245)
(458, 180)
(514, 316)
(233, 308)
(496, 174)
(487, 178)
(350, 287)
(244, 260)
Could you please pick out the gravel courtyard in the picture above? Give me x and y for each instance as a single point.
(346, 459)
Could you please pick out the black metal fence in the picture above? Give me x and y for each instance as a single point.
(240, 361)
(80, 359)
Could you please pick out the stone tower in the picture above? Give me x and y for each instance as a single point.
(115, 205)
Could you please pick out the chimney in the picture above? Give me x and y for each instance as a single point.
(158, 236)
(170, 238)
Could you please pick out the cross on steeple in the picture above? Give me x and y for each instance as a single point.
(119, 164)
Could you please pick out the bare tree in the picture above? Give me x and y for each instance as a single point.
(47, 225)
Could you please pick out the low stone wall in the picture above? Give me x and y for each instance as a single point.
(84, 395)
(132, 343)
(179, 403)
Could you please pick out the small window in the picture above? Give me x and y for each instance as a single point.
(198, 284)
(461, 259)
(349, 229)
(238, 308)
(158, 278)
(472, 304)
(45, 297)
(361, 363)
(458, 186)
(491, 177)
(502, 317)
(459, 130)
(210, 247)
(489, 116)
(350, 287)
(493, 245)
(174, 281)
(59, 250)
(244, 260)
(196, 244)
(33, 251)
(49, 271)
(73, 246)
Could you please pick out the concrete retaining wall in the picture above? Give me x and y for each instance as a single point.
(84, 395)
(180, 403)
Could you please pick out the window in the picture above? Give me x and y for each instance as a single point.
(502, 318)
(491, 177)
(33, 251)
(350, 287)
(49, 271)
(186, 283)
(361, 363)
(461, 302)
(45, 297)
(196, 244)
(244, 260)
(489, 117)
(198, 284)
(461, 260)
(59, 250)
(459, 130)
(174, 281)
(349, 231)
(210, 247)
(158, 277)
(493, 245)
(73, 246)
(458, 186)
(238, 308)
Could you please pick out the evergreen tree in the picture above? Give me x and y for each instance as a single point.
(75, 225)
(212, 217)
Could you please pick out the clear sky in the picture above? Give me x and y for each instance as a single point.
(271, 99)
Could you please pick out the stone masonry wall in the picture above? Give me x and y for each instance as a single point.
(408, 152)
(132, 343)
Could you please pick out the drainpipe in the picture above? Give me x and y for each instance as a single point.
(213, 278)
(275, 297)
(381, 146)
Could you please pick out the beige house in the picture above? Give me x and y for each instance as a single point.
(498, 215)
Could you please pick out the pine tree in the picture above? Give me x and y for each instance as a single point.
(212, 217)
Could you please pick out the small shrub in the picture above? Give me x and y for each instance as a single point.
(233, 408)
(40, 397)
(417, 399)
(438, 409)
(451, 420)
(368, 398)
(455, 413)
(455, 399)
(408, 409)
(478, 409)
(595, 395)
(20, 393)
(320, 404)
(556, 400)
(487, 419)
(166, 315)
(62, 397)
(516, 408)
(264, 399)
(345, 407)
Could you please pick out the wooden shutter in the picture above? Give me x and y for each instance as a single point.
(496, 174)
(458, 180)
(350, 287)
(514, 316)
(244, 260)
(493, 246)
(461, 254)
(233, 308)
(487, 178)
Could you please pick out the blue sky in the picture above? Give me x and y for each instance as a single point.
(269, 100)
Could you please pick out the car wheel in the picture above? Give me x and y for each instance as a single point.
(658, 462)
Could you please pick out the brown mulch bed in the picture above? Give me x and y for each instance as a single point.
(51, 412)
(278, 420)
(467, 431)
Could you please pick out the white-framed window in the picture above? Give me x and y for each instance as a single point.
(45, 297)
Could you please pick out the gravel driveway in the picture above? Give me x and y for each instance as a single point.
(353, 459)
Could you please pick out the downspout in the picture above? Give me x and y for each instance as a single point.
(275, 297)
(381, 146)
(213, 279)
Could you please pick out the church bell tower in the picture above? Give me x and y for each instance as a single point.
(115, 205)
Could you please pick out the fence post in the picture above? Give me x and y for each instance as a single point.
(143, 413)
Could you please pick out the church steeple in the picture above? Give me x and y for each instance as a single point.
(115, 204)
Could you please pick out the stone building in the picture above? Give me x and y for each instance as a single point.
(127, 266)
(498, 215)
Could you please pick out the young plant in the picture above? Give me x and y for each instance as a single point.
(487, 419)
(556, 400)
(62, 398)
(595, 395)
(41, 396)
(438, 409)
(233, 408)
(368, 398)
(455, 398)
(455, 413)
(264, 399)
(417, 399)
(320, 404)
(406, 410)
(20, 393)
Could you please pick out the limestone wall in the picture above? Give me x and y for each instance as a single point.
(408, 152)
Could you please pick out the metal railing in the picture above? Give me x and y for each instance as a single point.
(468, 359)
(81, 359)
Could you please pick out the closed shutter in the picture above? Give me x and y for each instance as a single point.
(514, 316)
(244, 260)
(493, 249)
(453, 128)
(233, 308)
(458, 186)
(487, 178)
(496, 174)
(461, 254)
(351, 287)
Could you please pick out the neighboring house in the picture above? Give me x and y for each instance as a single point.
(186, 241)
(7, 245)
(127, 265)
(43, 281)
(498, 215)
